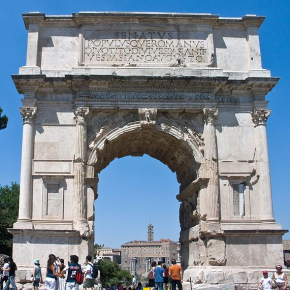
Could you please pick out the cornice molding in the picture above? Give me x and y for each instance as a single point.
(101, 83)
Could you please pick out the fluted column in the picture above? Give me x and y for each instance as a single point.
(210, 154)
(79, 206)
(263, 169)
(25, 199)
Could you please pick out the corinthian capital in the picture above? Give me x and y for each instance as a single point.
(81, 114)
(210, 115)
(28, 114)
(260, 117)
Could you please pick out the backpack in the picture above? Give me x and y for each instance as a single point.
(80, 276)
(151, 275)
(95, 270)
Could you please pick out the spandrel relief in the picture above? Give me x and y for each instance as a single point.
(190, 124)
(103, 122)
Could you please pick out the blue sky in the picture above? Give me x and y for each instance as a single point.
(134, 191)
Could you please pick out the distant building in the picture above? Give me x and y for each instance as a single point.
(286, 249)
(136, 256)
(106, 253)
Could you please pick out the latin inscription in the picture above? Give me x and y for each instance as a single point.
(123, 47)
(155, 97)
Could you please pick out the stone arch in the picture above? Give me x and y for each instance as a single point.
(168, 144)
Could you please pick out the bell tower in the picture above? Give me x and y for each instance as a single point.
(150, 233)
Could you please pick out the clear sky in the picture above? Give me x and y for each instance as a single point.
(135, 191)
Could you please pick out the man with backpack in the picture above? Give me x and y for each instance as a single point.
(90, 274)
(74, 273)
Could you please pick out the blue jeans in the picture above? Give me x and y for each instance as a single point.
(11, 280)
(158, 285)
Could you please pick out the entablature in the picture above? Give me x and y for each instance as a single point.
(130, 89)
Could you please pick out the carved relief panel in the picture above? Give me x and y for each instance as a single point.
(53, 198)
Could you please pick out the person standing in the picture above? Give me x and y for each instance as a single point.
(165, 281)
(57, 265)
(159, 274)
(5, 274)
(134, 282)
(89, 280)
(280, 278)
(61, 285)
(72, 269)
(51, 274)
(36, 275)
(265, 282)
(11, 278)
(151, 276)
(175, 273)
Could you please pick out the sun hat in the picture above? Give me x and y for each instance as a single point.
(36, 261)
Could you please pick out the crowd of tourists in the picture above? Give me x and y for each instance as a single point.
(58, 275)
(68, 277)
(159, 274)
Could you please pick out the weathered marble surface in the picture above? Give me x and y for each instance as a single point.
(186, 89)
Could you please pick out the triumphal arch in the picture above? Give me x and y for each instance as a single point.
(186, 89)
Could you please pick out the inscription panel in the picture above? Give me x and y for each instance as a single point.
(136, 47)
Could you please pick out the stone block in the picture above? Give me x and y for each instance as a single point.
(227, 286)
(216, 251)
(240, 278)
(215, 277)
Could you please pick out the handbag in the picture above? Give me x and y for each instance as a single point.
(273, 283)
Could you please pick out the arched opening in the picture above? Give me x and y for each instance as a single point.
(133, 192)
(171, 146)
(133, 140)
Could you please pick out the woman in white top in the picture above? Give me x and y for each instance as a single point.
(280, 278)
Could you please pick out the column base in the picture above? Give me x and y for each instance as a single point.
(224, 278)
(23, 224)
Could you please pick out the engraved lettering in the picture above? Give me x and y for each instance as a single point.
(121, 47)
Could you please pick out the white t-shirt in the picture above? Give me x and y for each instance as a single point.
(6, 266)
(266, 283)
(89, 267)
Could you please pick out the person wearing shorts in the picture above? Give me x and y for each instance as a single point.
(89, 280)
(37, 277)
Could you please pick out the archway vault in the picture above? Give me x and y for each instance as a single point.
(178, 149)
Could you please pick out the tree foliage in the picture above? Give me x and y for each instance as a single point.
(97, 247)
(112, 273)
(3, 120)
(9, 201)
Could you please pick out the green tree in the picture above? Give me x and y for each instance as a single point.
(3, 120)
(97, 247)
(9, 201)
(112, 273)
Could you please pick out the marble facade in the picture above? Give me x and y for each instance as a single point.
(186, 89)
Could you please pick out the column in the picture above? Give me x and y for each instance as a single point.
(79, 202)
(263, 169)
(210, 154)
(25, 199)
